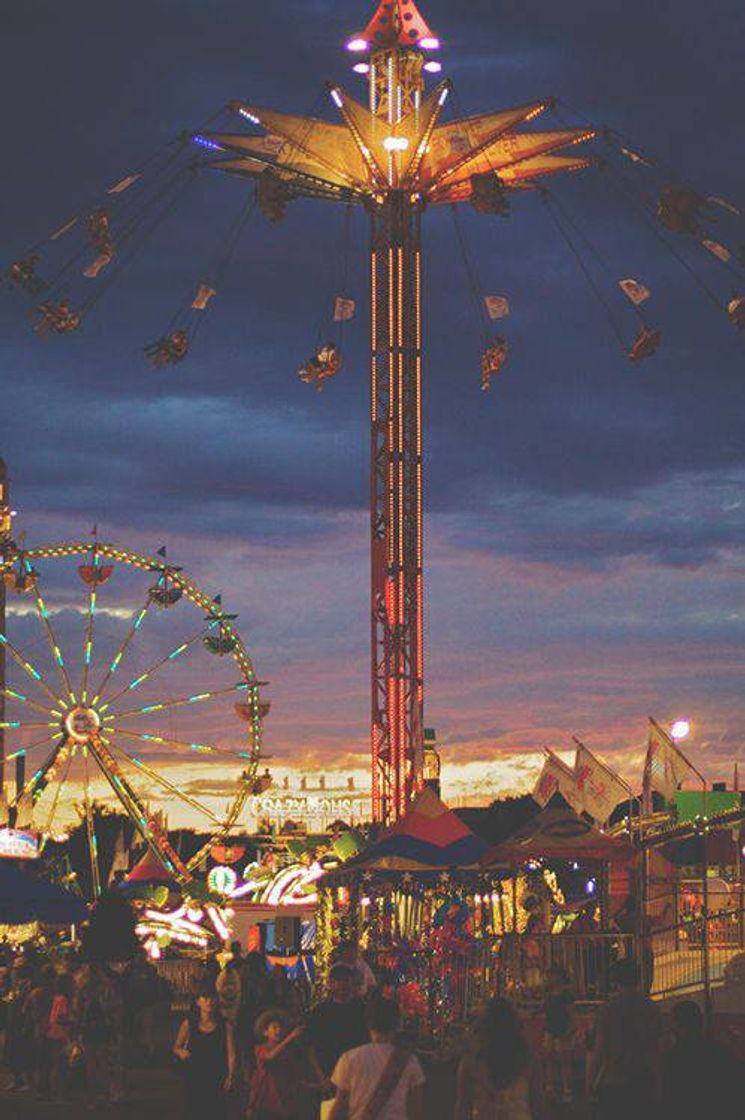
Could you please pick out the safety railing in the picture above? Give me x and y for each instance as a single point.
(696, 953)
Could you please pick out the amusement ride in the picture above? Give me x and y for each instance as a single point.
(73, 715)
(394, 156)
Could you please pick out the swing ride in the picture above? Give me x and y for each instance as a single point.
(395, 157)
(77, 711)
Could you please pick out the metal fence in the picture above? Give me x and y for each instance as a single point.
(696, 953)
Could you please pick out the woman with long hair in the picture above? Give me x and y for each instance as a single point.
(494, 1077)
(205, 1045)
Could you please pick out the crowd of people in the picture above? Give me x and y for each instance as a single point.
(251, 1043)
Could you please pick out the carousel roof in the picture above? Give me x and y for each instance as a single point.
(429, 838)
(557, 832)
(149, 870)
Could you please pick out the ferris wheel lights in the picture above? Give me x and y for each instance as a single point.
(433, 67)
(429, 43)
(357, 45)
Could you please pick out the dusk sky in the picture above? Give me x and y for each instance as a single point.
(585, 534)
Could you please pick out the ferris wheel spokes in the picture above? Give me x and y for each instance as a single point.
(177, 651)
(200, 748)
(31, 671)
(118, 656)
(197, 698)
(43, 613)
(12, 694)
(166, 784)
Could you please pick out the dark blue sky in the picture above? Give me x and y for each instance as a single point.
(587, 529)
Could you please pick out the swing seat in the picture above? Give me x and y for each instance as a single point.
(169, 350)
(57, 317)
(488, 195)
(645, 345)
(22, 274)
(492, 361)
(736, 312)
(678, 209)
(20, 581)
(220, 645)
(100, 232)
(324, 364)
(272, 197)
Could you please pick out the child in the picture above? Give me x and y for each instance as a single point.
(275, 1085)
(559, 1031)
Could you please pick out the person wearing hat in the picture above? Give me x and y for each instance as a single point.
(275, 1084)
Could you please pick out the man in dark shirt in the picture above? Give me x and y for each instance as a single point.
(337, 1024)
(624, 1065)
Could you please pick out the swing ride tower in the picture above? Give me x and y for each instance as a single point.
(395, 158)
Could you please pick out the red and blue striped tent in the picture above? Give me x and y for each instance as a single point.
(429, 838)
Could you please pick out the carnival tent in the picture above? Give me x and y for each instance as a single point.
(149, 872)
(557, 832)
(429, 838)
(25, 898)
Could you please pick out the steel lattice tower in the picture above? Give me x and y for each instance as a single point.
(395, 158)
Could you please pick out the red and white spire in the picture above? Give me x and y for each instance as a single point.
(396, 23)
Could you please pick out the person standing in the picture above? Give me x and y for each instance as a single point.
(558, 1032)
(337, 1024)
(206, 1046)
(37, 1008)
(494, 1079)
(623, 1067)
(365, 981)
(276, 1080)
(59, 1033)
(380, 1079)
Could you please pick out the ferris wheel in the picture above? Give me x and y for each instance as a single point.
(142, 695)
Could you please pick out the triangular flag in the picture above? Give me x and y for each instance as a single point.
(497, 307)
(161, 552)
(665, 767)
(343, 309)
(601, 789)
(720, 251)
(203, 296)
(557, 777)
(636, 292)
(123, 184)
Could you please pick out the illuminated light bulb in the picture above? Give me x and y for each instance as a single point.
(443, 96)
(249, 116)
(361, 67)
(433, 67)
(395, 143)
(336, 98)
(680, 729)
(429, 43)
(357, 45)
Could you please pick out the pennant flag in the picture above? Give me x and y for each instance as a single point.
(636, 292)
(635, 157)
(343, 309)
(100, 262)
(162, 552)
(203, 296)
(718, 250)
(724, 204)
(601, 789)
(665, 767)
(497, 307)
(63, 230)
(556, 777)
(94, 531)
(124, 184)
(120, 861)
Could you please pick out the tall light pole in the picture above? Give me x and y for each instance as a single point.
(395, 158)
